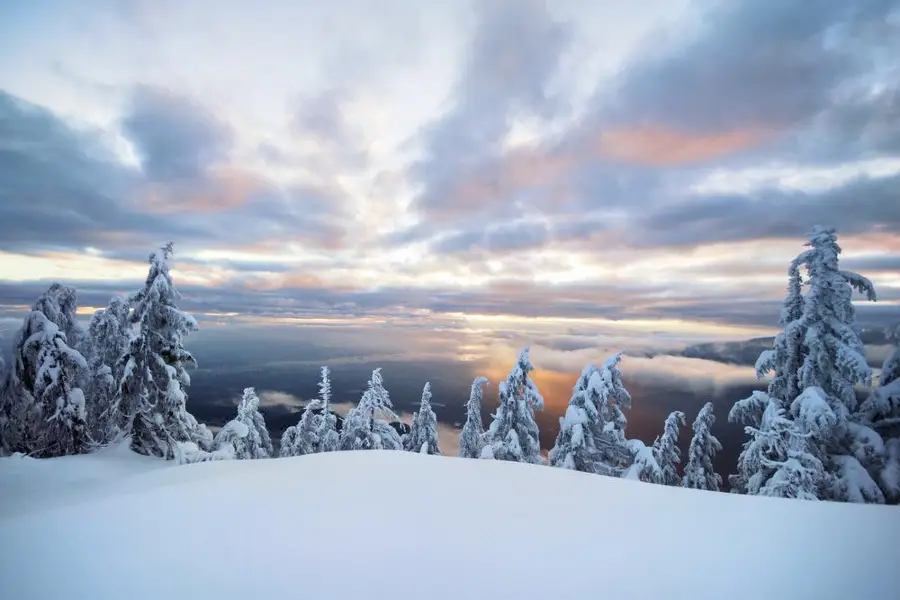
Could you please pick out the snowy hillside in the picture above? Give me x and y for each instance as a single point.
(394, 525)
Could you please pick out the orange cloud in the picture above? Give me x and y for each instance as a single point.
(660, 146)
(226, 188)
(522, 169)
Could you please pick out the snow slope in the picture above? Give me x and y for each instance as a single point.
(397, 525)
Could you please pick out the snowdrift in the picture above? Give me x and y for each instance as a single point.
(397, 525)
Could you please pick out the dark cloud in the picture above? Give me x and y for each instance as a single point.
(759, 64)
(61, 189)
(514, 52)
(175, 138)
(772, 213)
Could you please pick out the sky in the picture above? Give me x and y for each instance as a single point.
(451, 180)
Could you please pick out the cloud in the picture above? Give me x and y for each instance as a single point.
(513, 53)
(176, 138)
(270, 398)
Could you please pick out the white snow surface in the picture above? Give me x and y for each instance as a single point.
(396, 525)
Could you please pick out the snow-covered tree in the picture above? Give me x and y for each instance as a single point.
(606, 389)
(362, 429)
(780, 459)
(819, 348)
(513, 434)
(256, 443)
(60, 305)
(880, 411)
(151, 398)
(326, 434)
(643, 463)
(666, 451)
(108, 335)
(471, 439)
(317, 429)
(423, 436)
(576, 446)
(699, 472)
(22, 417)
(56, 389)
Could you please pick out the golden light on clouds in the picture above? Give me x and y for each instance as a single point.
(660, 145)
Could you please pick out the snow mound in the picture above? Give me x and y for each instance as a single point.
(396, 525)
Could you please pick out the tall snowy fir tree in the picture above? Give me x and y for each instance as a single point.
(108, 335)
(606, 390)
(316, 431)
(363, 429)
(22, 417)
(666, 451)
(699, 473)
(63, 429)
(829, 357)
(256, 443)
(513, 434)
(881, 412)
(151, 398)
(326, 435)
(471, 438)
(576, 447)
(423, 437)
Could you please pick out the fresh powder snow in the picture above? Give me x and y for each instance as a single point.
(396, 525)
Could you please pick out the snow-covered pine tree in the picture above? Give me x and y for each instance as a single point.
(575, 447)
(881, 412)
(666, 451)
(327, 435)
(60, 305)
(22, 417)
(108, 335)
(606, 389)
(362, 429)
(471, 438)
(780, 457)
(311, 434)
(151, 398)
(699, 472)
(56, 388)
(423, 437)
(643, 464)
(830, 357)
(513, 434)
(256, 443)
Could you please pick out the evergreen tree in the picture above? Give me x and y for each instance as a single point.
(643, 464)
(423, 437)
(779, 457)
(606, 390)
(108, 335)
(819, 348)
(151, 398)
(60, 369)
(362, 429)
(666, 451)
(311, 434)
(326, 434)
(576, 447)
(22, 417)
(699, 472)
(471, 439)
(880, 411)
(513, 434)
(288, 442)
(256, 443)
